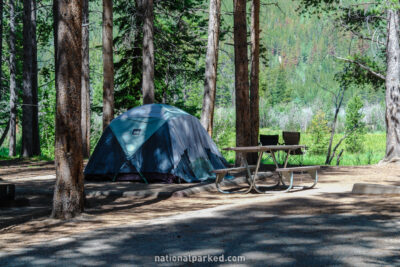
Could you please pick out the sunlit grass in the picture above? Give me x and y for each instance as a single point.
(45, 155)
(373, 152)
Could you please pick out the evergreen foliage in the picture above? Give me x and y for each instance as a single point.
(355, 127)
(180, 40)
(289, 95)
(4, 83)
(280, 93)
(319, 131)
(366, 23)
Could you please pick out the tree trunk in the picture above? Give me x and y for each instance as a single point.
(338, 104)
(137, 51)
(392, 88)
(254, 77)
(241, 78)
(333, 130)
(68, 192)
(27, 108)
(1, 45)
(55, 34)
(108, 64)
(13, 84)
(85, 120)
(35, 101)
(4, 134)
(165, 88)
(210, 82)
(148, 53)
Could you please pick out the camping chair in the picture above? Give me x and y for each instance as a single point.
(293, 138)
(269, 140)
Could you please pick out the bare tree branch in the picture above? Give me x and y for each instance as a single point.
(364, 4)
(376, 74)
(366, 38)
(355, 127)
(273, 4)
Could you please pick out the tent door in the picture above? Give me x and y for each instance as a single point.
(130, 163)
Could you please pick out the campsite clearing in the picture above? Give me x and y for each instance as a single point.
(331, 196)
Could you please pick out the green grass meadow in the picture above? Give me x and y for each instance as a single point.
(373, 152)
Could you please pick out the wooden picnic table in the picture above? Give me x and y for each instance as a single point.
(264, 148)
(261, 150)
(268, 149)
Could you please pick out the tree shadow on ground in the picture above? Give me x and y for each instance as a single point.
(30, 171)
(263, 234)
(24, 161)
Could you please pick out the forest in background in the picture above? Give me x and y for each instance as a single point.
(300, 75)
(297, 68)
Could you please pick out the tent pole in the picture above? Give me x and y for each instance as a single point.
(140, 173)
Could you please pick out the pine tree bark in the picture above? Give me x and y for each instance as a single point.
(241, 78)
(4, 134)
(68, 193)
(254, 77)
(13, 84)
(35, 100)
(108, 63)
(1, 42)
(85, 120)
(137, 53)
(392, 83)
(27, 107)
(55, 34)
(210, 82)
(338, 103)
(148, 53)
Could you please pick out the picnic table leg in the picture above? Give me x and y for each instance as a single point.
(220, 178)
(274, 159)
(287, 158)
(280, 180)
(255, 176)
(288, 175)
(256, 170)
(276, 165)
(314, 175)
(285, 165)
(249, 178)
(252, 177)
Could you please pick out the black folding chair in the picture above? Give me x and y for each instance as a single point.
(269, 140)
(293, 138)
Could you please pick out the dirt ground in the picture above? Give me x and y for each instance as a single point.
(331, 195)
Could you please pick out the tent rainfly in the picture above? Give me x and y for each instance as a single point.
(155, 142)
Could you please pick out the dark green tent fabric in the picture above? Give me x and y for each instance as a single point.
(156, 139)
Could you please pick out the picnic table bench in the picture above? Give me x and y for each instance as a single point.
(221, 173)
(288, 173)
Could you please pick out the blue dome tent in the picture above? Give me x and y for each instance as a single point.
(155, 142)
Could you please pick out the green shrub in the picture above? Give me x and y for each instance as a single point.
(354, 126)
(319, 132)
(224, 131)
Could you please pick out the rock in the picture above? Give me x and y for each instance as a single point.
(375, 189)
